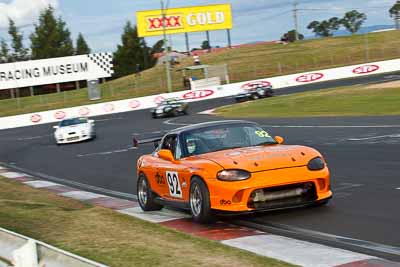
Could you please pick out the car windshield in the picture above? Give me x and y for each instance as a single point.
(224, 137)
(74, 121)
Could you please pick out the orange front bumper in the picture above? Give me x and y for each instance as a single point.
(234, 196)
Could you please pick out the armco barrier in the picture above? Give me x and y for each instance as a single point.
(25, 252)
(202, 94)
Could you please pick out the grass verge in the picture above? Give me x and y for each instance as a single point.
(373, 100)
(244, 63)
(109, 237)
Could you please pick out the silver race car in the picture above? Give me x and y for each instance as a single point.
(254, 92)
(169, 107)
(74, 130)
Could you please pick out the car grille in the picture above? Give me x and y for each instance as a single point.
(282, 196)
(73, 138)
(71, 133)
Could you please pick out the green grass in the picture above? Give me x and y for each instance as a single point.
(373, 100)
(245, 63)
(108, 237)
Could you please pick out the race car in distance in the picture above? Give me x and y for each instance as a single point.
(254, 92)
(169, 107)
(74, 130)
(230, 166)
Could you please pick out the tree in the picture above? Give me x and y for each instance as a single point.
(4, 52)
(205, 45)
(290, 36)
(82, 47)
(19, 53)
(326, 27)
(394, 12)
(131, 52)
(51, 38)
(158, 47)
(353, 20)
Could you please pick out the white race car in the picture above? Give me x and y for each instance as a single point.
(74, 130)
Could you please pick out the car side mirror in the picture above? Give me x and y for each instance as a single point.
(166, 154)
(279, 139)
(91, 121)
(55, 127)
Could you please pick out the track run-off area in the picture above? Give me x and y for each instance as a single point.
(362, 154)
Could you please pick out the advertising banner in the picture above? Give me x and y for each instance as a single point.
(55, 70)
(185, 19)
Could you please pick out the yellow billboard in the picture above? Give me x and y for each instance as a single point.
(185, 19)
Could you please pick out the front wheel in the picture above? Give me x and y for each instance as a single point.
(200, 206)
(145, 195)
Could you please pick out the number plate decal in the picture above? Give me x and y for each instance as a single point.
(174, 185)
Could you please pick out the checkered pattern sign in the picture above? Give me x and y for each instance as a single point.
(56, 70)
(103, 60)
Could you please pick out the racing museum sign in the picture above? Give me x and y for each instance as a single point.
(185, 19)
(55, 70)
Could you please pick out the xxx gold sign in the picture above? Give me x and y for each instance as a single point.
(187, 19)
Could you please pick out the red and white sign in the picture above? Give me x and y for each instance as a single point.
(170, 22)
(108, 107)
(309, 77)
(59, 115)
(251, 85)
(35, 118)
(159, 99)
(134, 104)
(84, 111)
(198, 94)
(366, 69)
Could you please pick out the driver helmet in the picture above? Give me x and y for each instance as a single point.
(191, 146)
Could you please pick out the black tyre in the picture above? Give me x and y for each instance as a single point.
(254, 97)
(199, 200)
(145, 195)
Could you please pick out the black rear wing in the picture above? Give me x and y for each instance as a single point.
(136, 142)
(154, 138)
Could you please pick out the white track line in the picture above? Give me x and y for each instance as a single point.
(168, 122)
(33, 137)
(375, 137)
(106, 152)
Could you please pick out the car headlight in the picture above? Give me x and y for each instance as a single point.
(233, 175)
(316, 164)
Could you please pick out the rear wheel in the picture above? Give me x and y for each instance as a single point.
(145, 195)
(199, 199)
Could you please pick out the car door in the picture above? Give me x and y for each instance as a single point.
(175, 172)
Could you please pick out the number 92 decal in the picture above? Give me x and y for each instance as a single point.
(175, 189)
(262, 134)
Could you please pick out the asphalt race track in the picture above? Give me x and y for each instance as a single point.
(362, 153)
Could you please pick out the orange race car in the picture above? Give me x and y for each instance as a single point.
(230, 166)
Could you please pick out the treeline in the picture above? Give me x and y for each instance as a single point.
(351, 21)
(52, 38)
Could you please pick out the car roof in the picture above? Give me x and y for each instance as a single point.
(208, 124)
